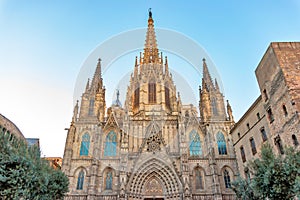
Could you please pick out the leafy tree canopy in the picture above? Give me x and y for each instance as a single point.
(24, 175)
(272, 177)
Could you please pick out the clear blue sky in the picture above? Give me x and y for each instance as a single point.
(44, 43)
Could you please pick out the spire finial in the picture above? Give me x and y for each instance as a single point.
(87, 85)
(117, 102)
(150, 13)
(166, 66)
(229, 111)
(75, 112)
(151, 54)
(97, 79)
(118, 94)
(206, 80)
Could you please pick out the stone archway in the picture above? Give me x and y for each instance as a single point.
(154, 180)
(153, 189)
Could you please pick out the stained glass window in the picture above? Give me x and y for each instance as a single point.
(199, 179)
(85, 145)
(80, 180)
(108, 181)
(111, 144)
(221, 144)
(195, 144)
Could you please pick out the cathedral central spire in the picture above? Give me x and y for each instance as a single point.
(151, 54)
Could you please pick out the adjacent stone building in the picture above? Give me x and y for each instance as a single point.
(153, 147)
(8, 127)
(274, 116)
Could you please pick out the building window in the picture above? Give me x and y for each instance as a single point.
(199, 180)
(195, 144)
(248, 126)
(214, 106)
(270, 115)
(227, 179)
(284, 110)
(80, 180)
(91, 107)
(265, 94)
(85, 145)
(152, 92)
(111, 144)
(295, 140)
(258, 116)
(278, 143)
(263, 134)
(108, 181)
(239, 135)
(221, 144)
(253, 146)
(243, 155)
(167, 97)
(136, 97)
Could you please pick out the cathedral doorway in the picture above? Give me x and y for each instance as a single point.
(154, 180)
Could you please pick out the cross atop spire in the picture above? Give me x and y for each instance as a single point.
(150, 13)
(151, 54)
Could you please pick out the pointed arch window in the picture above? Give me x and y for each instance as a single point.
(85, 145)
(199, 179)
(136, 97)
(167, 97)
(91, 107)
(221, 144)
(227, 179)
(80, 180)
(195, 144)
(152, 92)
(111, 144)
(214, 106)
(108, 181)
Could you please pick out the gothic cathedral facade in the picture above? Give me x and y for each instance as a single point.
(154, 147)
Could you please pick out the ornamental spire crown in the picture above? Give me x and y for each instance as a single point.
(151, 54)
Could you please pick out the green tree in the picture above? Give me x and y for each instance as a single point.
(24, 175)
(273, 177)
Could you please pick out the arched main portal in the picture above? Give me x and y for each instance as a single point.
(154, 180)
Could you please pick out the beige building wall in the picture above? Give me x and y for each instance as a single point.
(250, 126)
(278, 76)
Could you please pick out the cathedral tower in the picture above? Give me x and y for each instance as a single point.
(151, 86)
(211, 105)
